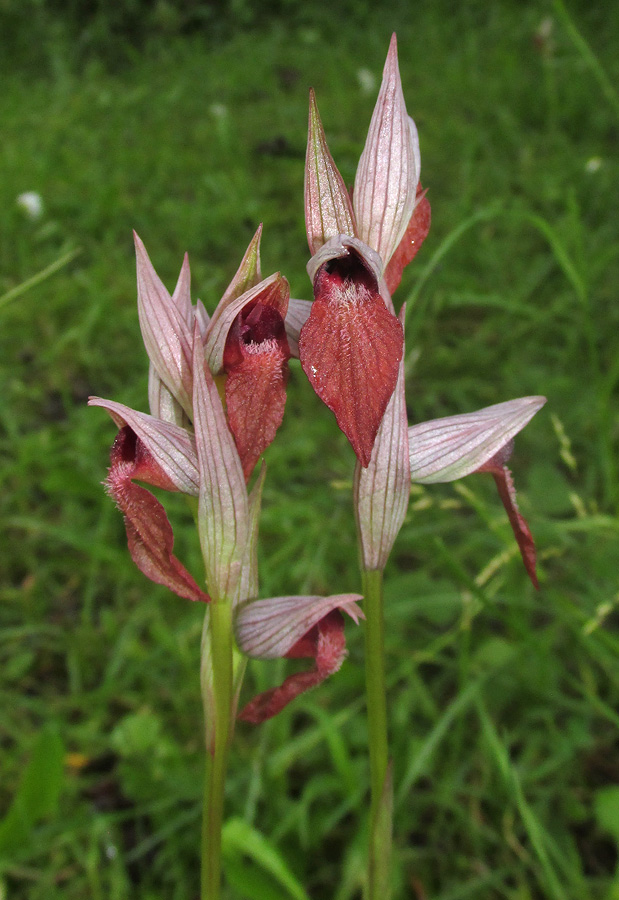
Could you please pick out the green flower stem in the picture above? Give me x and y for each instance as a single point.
(220, 634)
(380, 818)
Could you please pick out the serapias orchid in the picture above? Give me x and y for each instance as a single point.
(439, 450)
(455, 446)
(351, 344)
(192, 444)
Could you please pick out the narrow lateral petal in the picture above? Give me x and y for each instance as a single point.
(454, 446)
(256, 363)
(171, 447)
(350, 349)
(296, 317)
(381, 491)
(149, 533)
(166, 333)
(388, 172)
(507, 492)
(326, 643)
(328, 210)
(222, 506)
(414, 236)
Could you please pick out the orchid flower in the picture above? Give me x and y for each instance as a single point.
(455, 446)
(351, 344)
(193, 444)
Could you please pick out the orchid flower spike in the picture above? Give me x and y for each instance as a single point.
(246, 343)
(455, 446)
(351, 344)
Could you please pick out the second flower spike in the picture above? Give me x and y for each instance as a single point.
(351, 344)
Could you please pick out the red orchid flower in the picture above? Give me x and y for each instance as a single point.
(351, 344)
(455, 446)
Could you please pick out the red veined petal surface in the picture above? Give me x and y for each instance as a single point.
(255, 360)
(414, 236)
(350, 349)
(507, 492)
(149, 533)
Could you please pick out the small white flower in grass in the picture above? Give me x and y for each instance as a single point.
(31, 203)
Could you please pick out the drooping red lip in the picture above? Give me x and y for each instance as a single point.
(350, 349)
(256, 363)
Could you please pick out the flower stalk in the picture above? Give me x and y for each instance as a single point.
(377, 886)
(217, 645)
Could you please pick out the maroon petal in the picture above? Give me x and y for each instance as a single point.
(326, 643)
(414, 236)
(350, 349)
(255, 360)
(149, 533)
(507, 492)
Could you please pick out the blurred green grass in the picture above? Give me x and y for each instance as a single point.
(503, 702)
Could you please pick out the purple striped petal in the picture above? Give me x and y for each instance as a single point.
(388, 172)
(269, 629)
(452, 447)
(381, 490)
(165, 330)
(222, 506)
(328, 210)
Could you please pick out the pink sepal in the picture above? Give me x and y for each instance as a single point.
(328, 210)
(166, 326)
(223, 512)
(388, 171)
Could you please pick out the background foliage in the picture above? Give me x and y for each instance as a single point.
(187, 122)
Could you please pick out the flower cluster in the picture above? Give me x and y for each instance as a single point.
(217, 392)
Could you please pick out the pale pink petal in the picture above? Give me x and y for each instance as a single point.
(181, 298)
(223, 511)
(172, 447)
(388, 172)
(161, 401)
(269, 629)
(452, 447)
(296, 317)
(381, 490)
(328, 210)
(326, 644)
(166, 333)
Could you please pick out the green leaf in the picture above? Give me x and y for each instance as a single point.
(238, 837)
(38, 792)
(606, 805)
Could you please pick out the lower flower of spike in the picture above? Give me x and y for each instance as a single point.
(294, 628)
